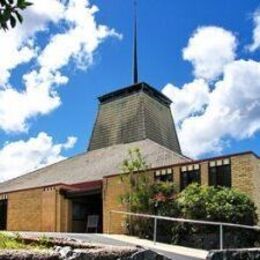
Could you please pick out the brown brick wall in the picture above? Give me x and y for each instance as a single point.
(49, 210)
(113, 188)
(204, 173)
(177, 178)
(242, 170)
(38, 210)
(25, 210)
(256, 182)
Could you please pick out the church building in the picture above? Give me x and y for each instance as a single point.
(61, 197)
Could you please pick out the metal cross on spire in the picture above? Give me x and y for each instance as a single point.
(135, 62)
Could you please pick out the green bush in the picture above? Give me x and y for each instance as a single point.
(195, 202)
(215, 204)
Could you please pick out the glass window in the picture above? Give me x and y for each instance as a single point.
(188, 177)
(220, 175)
(163, 175)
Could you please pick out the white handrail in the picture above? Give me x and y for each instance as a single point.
(205, 222)
(187, 220)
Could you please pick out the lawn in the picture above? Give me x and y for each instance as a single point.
(16, 242)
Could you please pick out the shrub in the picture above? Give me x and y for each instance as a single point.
(215, 204)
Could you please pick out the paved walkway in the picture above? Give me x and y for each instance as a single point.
(185, 252)
(171, 251)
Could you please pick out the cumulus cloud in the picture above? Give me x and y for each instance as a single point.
(189, 100)
(19, 44)
(233, 111)
(209, 50)
(211, 113)
(256, 33)
(22, 156)
(76, 38)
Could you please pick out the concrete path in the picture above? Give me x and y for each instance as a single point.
(171, 251)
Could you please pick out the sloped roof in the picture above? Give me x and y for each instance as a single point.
(93, 165)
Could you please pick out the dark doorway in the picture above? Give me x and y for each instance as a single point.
(3, 214)
(84, 207)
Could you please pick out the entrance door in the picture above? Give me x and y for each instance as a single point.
(3, 214)
(82, 208)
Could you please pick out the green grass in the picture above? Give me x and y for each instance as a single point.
(15, 242)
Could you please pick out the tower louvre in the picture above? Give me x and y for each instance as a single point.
(132, 114)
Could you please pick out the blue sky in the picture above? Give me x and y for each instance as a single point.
(42, 134)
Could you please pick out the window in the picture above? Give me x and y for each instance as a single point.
(190, 174)
(220, 173)
(163, 175)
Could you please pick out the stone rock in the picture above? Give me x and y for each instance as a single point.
(147, 255)
(65, 252)
(234, 254)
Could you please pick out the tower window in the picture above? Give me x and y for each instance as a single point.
(163, 175)
(220, 173)
(189, 174)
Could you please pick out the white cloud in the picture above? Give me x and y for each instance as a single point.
(209, 50)
(256, 33)
(189, 100)
(19, 43)
(232, 111)
(21, 156)
(77, 38)
(39, 98)
(223, 101)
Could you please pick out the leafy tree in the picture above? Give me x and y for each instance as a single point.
(10, 12)
(131, 168)
(146, 196)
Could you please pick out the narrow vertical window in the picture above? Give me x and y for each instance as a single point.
(189, 175)
(220, 173)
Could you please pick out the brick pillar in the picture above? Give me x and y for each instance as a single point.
(204, 173)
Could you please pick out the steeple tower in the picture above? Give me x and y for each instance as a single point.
(134, 113)
(135, 55)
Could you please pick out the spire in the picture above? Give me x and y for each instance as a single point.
(135, 65)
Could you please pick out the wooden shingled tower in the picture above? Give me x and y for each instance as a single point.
(132, 114)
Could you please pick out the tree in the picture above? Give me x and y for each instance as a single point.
(10, 12)
(143, 195)
(136, 182)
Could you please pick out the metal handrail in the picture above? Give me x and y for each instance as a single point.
(205, 222)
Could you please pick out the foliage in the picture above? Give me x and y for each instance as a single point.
(217, 204)
(17, 242)
(136, 182)
(144, 195)
(10, 12)
(44, 241)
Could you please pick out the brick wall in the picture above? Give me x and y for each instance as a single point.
(113, 188)
(204, 173)
(242, 169)
(24, 211)
(256, 183)
(42, 209)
